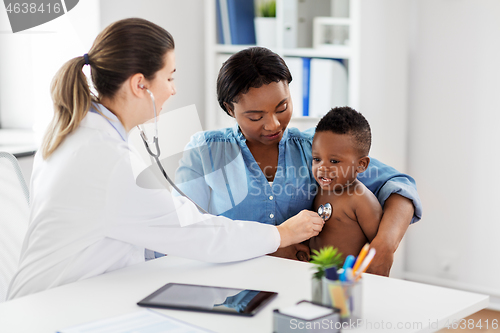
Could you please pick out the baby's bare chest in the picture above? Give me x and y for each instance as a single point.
(343, 206)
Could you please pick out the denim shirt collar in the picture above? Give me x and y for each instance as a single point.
(242, 140)
(111, 118)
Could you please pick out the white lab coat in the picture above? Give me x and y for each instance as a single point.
(89, 217)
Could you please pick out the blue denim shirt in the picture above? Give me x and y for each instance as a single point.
(219, 172)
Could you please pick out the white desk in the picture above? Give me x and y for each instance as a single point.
(387, 300)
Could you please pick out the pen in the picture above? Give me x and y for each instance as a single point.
(349, 277)
(331, 273)
(361, 257)
(365, 264)
(349, 261)
(338, 299)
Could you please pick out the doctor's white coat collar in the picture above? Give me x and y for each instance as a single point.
(111, 118)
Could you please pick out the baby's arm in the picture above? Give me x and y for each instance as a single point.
(369, 213)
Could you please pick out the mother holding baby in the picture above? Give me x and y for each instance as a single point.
(260, 170)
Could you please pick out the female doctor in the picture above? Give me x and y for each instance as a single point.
(88, 216)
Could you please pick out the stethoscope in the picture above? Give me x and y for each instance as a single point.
(156, 155)
(324, 211)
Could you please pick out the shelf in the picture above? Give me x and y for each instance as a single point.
(230, 49)
(336, 52)
(350, 51)
(304, 118)
(303, 123)
(332, 52)
(334, 20)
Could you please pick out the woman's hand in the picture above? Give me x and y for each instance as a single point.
(300, 227)
(298, 251)
(383, 260)
(398, 212)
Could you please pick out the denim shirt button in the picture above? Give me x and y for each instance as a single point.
(271, 197)
(271, 215)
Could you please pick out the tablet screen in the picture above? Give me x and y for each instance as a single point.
(208, 299)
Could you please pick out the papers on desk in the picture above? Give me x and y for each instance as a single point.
(136, 322)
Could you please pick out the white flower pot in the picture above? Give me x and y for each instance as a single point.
(265, 31)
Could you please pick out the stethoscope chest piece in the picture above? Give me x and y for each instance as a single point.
(325, 211)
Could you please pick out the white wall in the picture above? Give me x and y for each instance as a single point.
(30, 59)
(383, 91)
(454, 141)
(185, 21)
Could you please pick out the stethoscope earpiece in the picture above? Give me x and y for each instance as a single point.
(325, 211)
(143, 135)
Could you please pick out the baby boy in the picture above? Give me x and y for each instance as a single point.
(339, 152)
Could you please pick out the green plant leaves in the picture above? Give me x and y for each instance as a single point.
(324, 258)
(268, 9)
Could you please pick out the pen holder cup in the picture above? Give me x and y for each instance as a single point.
(346, 296)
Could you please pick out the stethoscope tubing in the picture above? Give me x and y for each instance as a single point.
(160, 166)
(324, 210)
(156, 155)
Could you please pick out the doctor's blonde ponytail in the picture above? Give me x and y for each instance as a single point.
(124, 48)
(71, 97)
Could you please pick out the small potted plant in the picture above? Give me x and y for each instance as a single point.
(265, 23)
(323, 259)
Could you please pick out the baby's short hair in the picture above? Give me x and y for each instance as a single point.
(345, 120)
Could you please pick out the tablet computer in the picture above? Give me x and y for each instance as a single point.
(243, 302)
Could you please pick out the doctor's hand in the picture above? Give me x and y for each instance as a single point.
(301, 227)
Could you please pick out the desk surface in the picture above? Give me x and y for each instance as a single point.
(422, 308)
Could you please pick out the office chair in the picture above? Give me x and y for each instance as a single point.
(14, 215)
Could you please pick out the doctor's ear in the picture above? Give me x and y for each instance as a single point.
(137, 84)
(363, 163)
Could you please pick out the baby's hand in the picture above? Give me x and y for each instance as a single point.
(295, 252)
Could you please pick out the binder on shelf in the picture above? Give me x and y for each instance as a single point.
(328, 86)
(290, 24)
(306, 77)
(223, 27)
(218, 18)
(298, 20)
(296, 87)
(241, 21)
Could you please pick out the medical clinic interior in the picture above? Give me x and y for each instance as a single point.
(425, 76)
